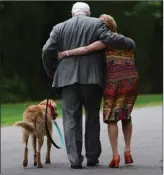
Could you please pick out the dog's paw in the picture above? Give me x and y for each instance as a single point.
(25, 163)
(35, 159)
(39, 166)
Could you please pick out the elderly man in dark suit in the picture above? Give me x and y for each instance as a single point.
(80, 79)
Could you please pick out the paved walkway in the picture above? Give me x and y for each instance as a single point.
(146, 149)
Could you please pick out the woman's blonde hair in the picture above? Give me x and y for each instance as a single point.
(109, 22)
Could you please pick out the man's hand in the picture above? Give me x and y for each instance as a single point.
(61, 55)
(113, 39)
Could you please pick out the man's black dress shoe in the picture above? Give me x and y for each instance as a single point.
(76, 166)
(93, 163)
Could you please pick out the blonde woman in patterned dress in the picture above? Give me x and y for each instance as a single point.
(120, 90)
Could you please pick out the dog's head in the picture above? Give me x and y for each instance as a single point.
(52, 106)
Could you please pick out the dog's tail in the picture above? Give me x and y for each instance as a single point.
(29, 127)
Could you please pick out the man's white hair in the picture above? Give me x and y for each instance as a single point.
(81, 8)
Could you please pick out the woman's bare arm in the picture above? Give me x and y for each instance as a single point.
(96, 46)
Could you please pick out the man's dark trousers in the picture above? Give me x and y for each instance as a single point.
(74, 97)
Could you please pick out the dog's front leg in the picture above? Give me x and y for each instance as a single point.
(48, 160)
(34, 149)
(40, 143)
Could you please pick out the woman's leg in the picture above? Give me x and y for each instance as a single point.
(127, 131)
(113, 137)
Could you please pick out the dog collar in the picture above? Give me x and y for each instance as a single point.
(52, 110)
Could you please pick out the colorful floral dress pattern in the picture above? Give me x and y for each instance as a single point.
(121, 85)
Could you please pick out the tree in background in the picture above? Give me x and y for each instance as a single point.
(25, 26)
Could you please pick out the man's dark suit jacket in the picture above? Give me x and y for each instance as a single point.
(79, 31)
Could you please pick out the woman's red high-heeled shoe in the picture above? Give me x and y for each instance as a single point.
(115, 162)
(128, 157)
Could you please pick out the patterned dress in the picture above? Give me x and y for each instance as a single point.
(121, 85)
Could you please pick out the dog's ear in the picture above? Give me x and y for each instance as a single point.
(43, 102)
(51, 101)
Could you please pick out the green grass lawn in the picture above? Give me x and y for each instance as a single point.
(11, 113)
